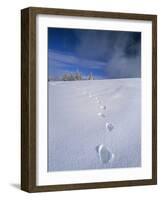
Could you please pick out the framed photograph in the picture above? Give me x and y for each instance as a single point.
(88, 99)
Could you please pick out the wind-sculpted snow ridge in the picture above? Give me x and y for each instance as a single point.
(94, 124)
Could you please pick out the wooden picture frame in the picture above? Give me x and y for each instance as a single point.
(28, 98)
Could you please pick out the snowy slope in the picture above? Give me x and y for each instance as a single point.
(85, 114)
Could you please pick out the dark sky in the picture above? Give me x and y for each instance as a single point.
(107, 54)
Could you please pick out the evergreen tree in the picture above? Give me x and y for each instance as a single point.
(90, 77)
(65, 77)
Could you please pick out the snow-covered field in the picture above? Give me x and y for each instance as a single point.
(94, 124)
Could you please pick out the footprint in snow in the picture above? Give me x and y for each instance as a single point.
(102, 107)
(98, 101)
(105, 155)
(109, 126)
(101, 115)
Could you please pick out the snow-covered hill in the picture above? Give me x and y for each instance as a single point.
(94, 124)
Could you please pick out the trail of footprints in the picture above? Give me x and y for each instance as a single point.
(105, 155)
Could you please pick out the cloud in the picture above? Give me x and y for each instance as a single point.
(124, 67)
(126, 59)
(94, 44)
(61, 59)
(121, 51)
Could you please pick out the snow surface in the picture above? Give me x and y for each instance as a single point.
(83, 115)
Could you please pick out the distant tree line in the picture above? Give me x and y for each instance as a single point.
(75, 77)
(72, 77)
